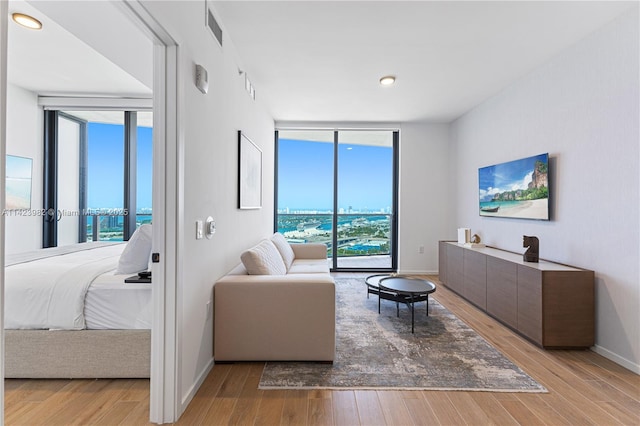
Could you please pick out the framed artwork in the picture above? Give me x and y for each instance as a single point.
(249, 173)
(18, 182)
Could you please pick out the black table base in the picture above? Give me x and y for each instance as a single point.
(405, 290)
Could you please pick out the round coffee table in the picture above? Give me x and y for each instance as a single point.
(412, 290)
(372, 282)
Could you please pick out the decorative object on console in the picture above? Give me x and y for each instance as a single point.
(464, 234)
(516, 189)
(531, 254)
(474, 242)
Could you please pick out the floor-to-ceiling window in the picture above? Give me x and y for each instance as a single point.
(100, 173)
(339, 187)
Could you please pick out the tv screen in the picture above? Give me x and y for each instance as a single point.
(516, 189)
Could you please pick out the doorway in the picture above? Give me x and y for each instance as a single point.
(164, 403)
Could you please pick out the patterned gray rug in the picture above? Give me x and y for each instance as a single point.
(379, 352)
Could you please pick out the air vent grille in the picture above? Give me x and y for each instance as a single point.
(214, 27)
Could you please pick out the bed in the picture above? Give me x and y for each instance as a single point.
(69, 313)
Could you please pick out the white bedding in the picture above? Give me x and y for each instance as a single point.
(113, 304)
(55, 291)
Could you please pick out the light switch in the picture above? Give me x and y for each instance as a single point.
(199, 230)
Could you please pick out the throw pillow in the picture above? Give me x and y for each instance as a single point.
(284, 248)
(263, 259)
(135, 256)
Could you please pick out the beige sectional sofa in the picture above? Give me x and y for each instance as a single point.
(265, 310)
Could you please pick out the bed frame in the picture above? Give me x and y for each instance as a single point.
(75, 354)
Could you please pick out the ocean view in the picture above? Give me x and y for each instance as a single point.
(111, 227)
(359, 234)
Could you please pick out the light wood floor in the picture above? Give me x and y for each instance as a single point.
(584, 389)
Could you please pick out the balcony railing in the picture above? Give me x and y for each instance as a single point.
(110, 227)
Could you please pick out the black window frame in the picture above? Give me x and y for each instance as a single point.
(395, 202)
(50, 175)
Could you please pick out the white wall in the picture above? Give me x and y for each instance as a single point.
(208, 125)
(424, 199)
(582, 108)
(24, 139)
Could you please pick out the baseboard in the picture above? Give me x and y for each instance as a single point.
(629, 365)
(186, 400)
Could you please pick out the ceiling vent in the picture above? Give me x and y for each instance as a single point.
(214, 27)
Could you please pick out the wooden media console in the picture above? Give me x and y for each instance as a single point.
(551, 304)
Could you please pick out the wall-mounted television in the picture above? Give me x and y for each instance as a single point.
(515, 189)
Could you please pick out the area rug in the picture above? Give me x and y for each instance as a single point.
(378, 351)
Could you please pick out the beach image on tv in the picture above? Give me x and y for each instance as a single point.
(18, 183)
(518, 189)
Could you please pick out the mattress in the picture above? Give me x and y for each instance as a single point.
(109, 302)
(113, 304)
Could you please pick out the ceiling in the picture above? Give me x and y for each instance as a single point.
(318, 61)
(321, 60)
(82, 50)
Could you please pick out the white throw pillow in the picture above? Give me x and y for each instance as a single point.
(135, 256)
(284, 248)
(263, 259)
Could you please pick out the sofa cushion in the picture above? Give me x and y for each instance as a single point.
(263, 259)
(284, 248)
(309, 266)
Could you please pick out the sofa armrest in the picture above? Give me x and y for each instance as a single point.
(310, 251)
(274, 318)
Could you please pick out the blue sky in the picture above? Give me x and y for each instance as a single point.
(305, 180)
(106, 166)
(508, 176)
(305, 172)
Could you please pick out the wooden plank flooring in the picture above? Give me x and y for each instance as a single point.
(584, 389)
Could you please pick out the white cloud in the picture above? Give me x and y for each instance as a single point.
(522, 184)
(487, 194)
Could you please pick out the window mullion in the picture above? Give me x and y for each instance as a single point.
(130, 172)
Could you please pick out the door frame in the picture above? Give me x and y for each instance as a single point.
(165, 405)
(4, 21)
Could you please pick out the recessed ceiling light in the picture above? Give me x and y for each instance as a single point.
(388, 80)
(27, 21)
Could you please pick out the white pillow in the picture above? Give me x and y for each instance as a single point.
(135, 256)
(284, 248)
(263, 259)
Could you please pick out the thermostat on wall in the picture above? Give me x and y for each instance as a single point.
(202, 79)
